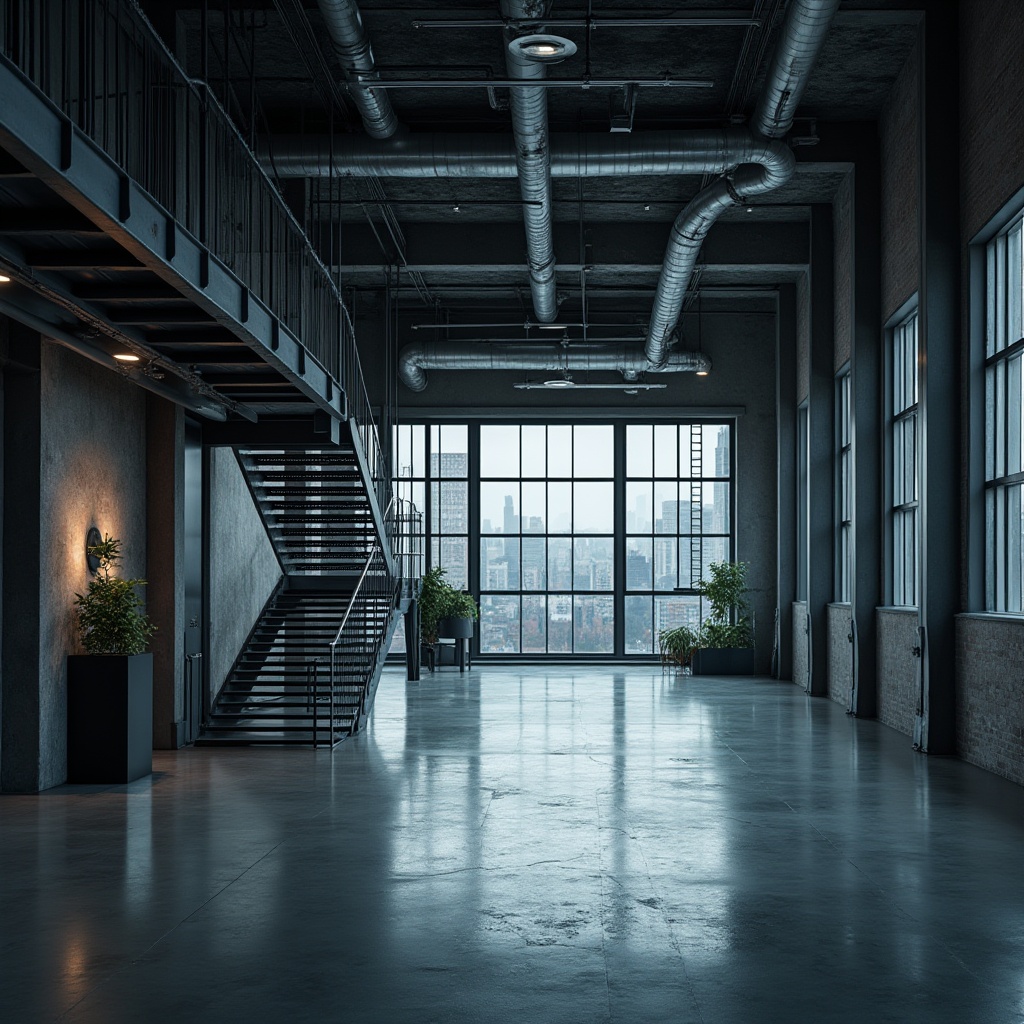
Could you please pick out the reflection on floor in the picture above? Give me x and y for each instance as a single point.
(549, 845)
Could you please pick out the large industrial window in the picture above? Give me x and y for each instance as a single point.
(904, 462)
(1004, 409)
(844, 517)
(547, 547)
(577, 538)
(677, 523)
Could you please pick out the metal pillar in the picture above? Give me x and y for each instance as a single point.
(866, 406)
(785, 425)
(938, 380)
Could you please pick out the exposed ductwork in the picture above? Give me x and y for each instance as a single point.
(803, 33)
(588, 155)
(625, 358)
(352, 45)
(529, 109)
(753, 162)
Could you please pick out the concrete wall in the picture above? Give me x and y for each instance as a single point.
(900, 145)
(990, 697)
(92, 473)
(840, 654)
(898, 669)
(243, 567)
(801, 649)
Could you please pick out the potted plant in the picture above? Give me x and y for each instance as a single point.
(677, 646)
(110, 688)
(726, 635)
(445, 612)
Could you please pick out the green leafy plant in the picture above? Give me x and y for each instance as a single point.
(460, 605)
(109, 617)
(728, 624)
(440, 600)
(678, 644)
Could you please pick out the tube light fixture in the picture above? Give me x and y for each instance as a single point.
(126, 357)
(4, 279)
(548, 385)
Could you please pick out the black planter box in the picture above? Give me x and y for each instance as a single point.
(455, 629)
(110, 717)
(724, 661)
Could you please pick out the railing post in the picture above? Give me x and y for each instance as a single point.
(311, 689)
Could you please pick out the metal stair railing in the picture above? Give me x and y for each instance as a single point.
(409, 546)
(104, 66)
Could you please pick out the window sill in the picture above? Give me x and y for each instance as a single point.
(992, 616)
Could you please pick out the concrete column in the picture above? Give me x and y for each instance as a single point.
(165, 592)
(821, 430)
(21, 700)
(867, 585)
(939, 379)
(785, 425)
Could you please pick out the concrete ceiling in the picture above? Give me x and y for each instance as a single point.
(473, 256)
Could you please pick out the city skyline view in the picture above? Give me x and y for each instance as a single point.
(549, 549)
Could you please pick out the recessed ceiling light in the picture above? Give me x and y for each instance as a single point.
(125, 357)
(542, 49)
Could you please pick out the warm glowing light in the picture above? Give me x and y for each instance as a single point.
(4, 279)
(702, 373)
(125, 357)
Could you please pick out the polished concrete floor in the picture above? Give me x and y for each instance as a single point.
(547, 845)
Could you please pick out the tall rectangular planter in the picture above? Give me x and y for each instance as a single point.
(110, 717)
(724, 661)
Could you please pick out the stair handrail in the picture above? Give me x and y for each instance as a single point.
(375, 553)
(139, 128)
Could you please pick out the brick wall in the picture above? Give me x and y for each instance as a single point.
(842, 219)
(991, 108)
(989, 650)
(900, 156)
(990, 698)
(840, 654)
(898, 669)
(801, 661)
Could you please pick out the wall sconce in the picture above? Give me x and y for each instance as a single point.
(92, 538)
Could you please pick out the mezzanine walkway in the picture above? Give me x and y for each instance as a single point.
(549, 845)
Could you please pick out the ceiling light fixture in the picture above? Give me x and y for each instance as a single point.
(126, 357)
(542, 49)
(4, 279)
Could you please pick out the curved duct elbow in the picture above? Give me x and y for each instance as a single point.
(691, 228)
(803, 35)
(593, 356)
(352, 45)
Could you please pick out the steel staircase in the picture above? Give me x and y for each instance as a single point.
(308, 672)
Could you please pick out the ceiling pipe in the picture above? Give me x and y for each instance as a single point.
(529, 108)
(352, 46)
(588, 155)
(627, 359)
(803, 34)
